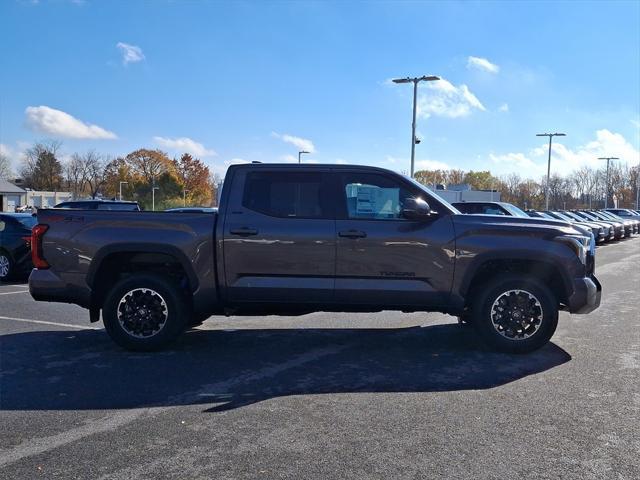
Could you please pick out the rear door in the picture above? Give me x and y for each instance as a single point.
(384, 259)
(279, 236)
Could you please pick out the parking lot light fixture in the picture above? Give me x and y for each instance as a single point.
(415, 81)
(606, 186)
(546, 190)
(300, 153)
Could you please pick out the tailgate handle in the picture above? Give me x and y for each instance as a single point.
(352, 234)
(244, 231)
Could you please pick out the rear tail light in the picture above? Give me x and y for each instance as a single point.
(36, 246)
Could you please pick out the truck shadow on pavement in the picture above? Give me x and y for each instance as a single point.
(222, 370)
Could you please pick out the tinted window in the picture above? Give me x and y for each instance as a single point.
(289, 194)
(491, 210)
(118, 206)
(373, 196)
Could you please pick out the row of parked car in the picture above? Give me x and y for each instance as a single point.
(605, 225)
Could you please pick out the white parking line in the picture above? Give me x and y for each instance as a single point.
(11, 293)
(44, 322)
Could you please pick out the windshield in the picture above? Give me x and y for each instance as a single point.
(515, 211)
(565, 217)
(434, 195)
(28, 222)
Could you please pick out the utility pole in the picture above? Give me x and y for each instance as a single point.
(122, 183)
(153, 194)
(415, 81)
(300, 153)
(184, 197)
(546, 190)
(606, 195)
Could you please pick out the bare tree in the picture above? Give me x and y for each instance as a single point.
(95, 170)
(41, 169)
(74, 175)
(5, 167)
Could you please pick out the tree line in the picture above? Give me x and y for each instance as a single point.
(584, 188)
(179, 181)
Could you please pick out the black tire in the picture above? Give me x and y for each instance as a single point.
(145, 312)
(515, 313)
(7, 267)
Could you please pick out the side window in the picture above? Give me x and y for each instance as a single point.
(289, 194)
(490, 210)
(373, 196)
(118, 206)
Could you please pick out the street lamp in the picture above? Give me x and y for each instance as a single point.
(415, 81)
(606, 195)
(300, 153)
(546, 190)
(122, 183)
(153, 196)
(184, 196)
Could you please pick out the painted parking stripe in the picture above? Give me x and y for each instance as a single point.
(11, 293)
(43, 322)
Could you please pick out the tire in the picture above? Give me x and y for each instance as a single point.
(6, 267)
(145, 312)
(531, 314)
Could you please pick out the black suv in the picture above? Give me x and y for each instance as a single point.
(100, 205)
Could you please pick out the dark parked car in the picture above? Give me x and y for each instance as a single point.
(601, 232)
(631, 221)
(293, 239)
(15, 244)
(100, 205)
(618, 227)
(629, 225)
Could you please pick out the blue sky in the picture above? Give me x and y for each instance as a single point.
(242, 81)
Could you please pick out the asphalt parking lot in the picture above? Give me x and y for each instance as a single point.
(357, 396)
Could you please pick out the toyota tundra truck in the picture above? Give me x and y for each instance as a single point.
(295, 239)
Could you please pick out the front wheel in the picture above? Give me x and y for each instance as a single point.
(6, 267)
(145, 312)
(515, 314)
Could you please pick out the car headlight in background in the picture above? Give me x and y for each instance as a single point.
(580, 244)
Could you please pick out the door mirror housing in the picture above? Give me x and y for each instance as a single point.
(416, 209)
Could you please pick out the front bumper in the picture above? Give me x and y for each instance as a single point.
(587, 293)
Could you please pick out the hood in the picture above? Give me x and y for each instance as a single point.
(540, 226)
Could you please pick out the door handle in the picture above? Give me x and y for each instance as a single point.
(352, 234)
(244, 231)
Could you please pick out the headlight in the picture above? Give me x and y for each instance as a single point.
(580, 245)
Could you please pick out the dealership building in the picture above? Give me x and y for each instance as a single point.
(12, 196)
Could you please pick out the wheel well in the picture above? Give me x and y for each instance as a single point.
(545, 272)
(122, 264)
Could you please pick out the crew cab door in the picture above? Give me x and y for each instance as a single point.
(279, 236)
(384, 259)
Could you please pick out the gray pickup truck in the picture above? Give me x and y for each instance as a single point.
(293, 239)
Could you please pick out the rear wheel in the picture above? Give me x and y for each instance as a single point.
(515, 314)
(145, 312)
(6, 266)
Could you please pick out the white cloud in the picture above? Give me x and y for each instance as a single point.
(446, 100)
(483, 64)
(185, 144)
(300, 143)
(565, 160)
(130, 53)
(58, 123)
(5, 151)
(504, 107)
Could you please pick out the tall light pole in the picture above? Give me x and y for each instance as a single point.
(184, 196)
(300, 153)
(415, 81)
(546, 190)
(606, 195)
(153, 194)
(122, 183)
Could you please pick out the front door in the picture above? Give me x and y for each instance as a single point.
(279, 237)
(384, 259)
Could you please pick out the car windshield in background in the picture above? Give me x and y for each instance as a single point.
(515, 211)
(28, 221)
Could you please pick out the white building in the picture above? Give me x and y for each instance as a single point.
(12, 196)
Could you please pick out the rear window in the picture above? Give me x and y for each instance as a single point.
(289, 194)
(129, 207)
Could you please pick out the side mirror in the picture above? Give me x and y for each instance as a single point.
(416, 209)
